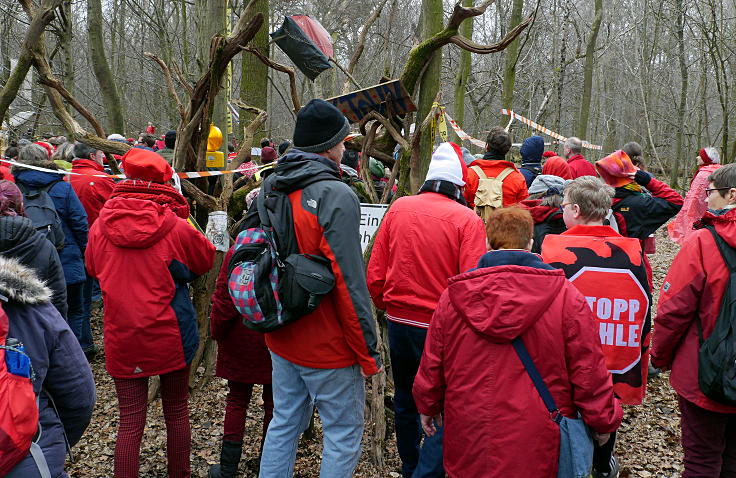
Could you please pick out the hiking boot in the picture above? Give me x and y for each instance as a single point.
(91, 353)
(229, 460)
(611, 474)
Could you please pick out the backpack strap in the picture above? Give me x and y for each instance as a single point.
(541, 387)
(729, 257)
(505, 173)
(479, 171)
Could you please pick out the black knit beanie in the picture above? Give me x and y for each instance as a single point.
(319, 127)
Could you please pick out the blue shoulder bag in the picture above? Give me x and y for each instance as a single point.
(576, 442)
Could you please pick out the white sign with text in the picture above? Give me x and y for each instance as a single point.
(370, 218)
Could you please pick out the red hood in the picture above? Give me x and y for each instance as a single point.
(135, 223)
(539, 213)
(85, 164)
(724, 223)
(504, 301)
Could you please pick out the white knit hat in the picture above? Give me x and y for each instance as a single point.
(447, 165)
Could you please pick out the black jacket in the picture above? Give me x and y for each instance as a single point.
(19, 240)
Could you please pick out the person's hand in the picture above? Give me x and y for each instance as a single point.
(366, 375)
(428, 424)
(601, 438)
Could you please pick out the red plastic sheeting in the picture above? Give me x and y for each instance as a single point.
(316, 32)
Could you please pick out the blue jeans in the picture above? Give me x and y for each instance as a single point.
(406, 344)
(338, 394)
(78, 314)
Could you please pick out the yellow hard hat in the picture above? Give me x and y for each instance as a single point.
(214, 140)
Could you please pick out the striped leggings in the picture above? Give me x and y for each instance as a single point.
(133, 404)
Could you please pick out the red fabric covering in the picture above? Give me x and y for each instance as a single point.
(159, 193)
(150, 129)
(143, 256)
(694, 206)
(704, 156)
(548, 154)
(93, 192)
(404, 278)
(49, 149)
(242, 355)
(694, 286)
(268, 155)
(146, 165)
(615, 169)
(236, 409)
(315, 32)
(5, 172)
(471, 373)
(11, 199)
(579, 166)
(539, 213)
(133, 403)
(557, 166)
(514, 186)
(621, 280)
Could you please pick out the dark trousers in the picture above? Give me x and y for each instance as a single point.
(708, 442)
(78, 314)
(602, 454)
(406, 344)
(236, 408)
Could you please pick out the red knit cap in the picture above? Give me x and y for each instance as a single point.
(49, 149)
(615, 169)
(11, 200)
(548, 154)
(146, 165)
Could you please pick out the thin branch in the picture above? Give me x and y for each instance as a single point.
(460, 13)
(169, 82)
(361, 45)
(87, 114)
(350, 77)
(182, 81)
(474, 47)
(282, 68)
(248, 132)
(374, 115)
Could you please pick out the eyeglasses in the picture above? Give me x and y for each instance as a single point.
(710, 190)
(562, 206)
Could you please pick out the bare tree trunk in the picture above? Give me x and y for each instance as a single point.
(108, 88)
(512, 56)
(463, 72)
(254, 74)
(588, 71)
(677, 160)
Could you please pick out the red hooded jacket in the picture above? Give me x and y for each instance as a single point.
(579, 166)
(514, 186)
(404, 278)
(694, 287)
(92, 191)
(144, 256)
(496, 424)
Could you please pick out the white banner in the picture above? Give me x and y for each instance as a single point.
(370, 218)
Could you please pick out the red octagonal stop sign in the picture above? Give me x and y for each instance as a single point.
(620, 303)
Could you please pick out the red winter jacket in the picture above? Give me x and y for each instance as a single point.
(694, 287)
(423, 241)
(496, 424)
(242, 355)
(579, 166)
(92, 191)
(144, 256)
(514, 186)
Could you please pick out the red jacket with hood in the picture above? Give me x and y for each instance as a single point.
(694, 287)
(404, 279)
(579, 166)
(514, 186)
(471, 373)
(144, 256)
(92, 191)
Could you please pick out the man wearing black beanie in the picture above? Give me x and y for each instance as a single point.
(321, 359)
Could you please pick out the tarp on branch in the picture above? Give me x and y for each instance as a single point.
(306, 43)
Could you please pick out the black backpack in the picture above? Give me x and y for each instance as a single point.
(717, 355)
(41, 211)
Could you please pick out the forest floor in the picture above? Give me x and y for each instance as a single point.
(648, 441)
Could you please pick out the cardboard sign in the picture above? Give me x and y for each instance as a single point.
(609, 272)
(380, 98)
(370, 218)
(215, 159)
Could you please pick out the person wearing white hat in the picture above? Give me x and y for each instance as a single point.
(406, 281)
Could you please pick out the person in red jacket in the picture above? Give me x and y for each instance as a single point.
(693, 292)
(93, 191)
(242, 360)
(579, 166)
(322, 358)
(498, 144)
(556, 166)
(406, 282)
(472, 380)
(144, 253)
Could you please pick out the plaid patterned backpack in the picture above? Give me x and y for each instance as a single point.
(268, 291)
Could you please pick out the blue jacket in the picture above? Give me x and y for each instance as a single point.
(73, 220)
(62, 371)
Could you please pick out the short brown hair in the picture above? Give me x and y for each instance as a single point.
(498, 140)
(592, 196)
(724, 177)
(509, 228)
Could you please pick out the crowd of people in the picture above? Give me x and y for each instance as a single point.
(518, 302)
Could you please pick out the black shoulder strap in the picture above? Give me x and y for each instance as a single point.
(729, 257)
(531, 369)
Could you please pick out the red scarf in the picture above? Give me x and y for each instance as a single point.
(159, 193)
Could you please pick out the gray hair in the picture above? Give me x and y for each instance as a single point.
(574, 144)
(33, 154)
(65, 152)
(724, 177)
(592, 196)
(633, 149)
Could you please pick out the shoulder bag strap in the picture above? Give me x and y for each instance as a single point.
(729, 257)
(531, 369)
(479, 171)
(504, 174)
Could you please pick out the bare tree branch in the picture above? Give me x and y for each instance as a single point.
(169, 82)
(283, 68)
(474, 47)
(361, 46)
(248, 132)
